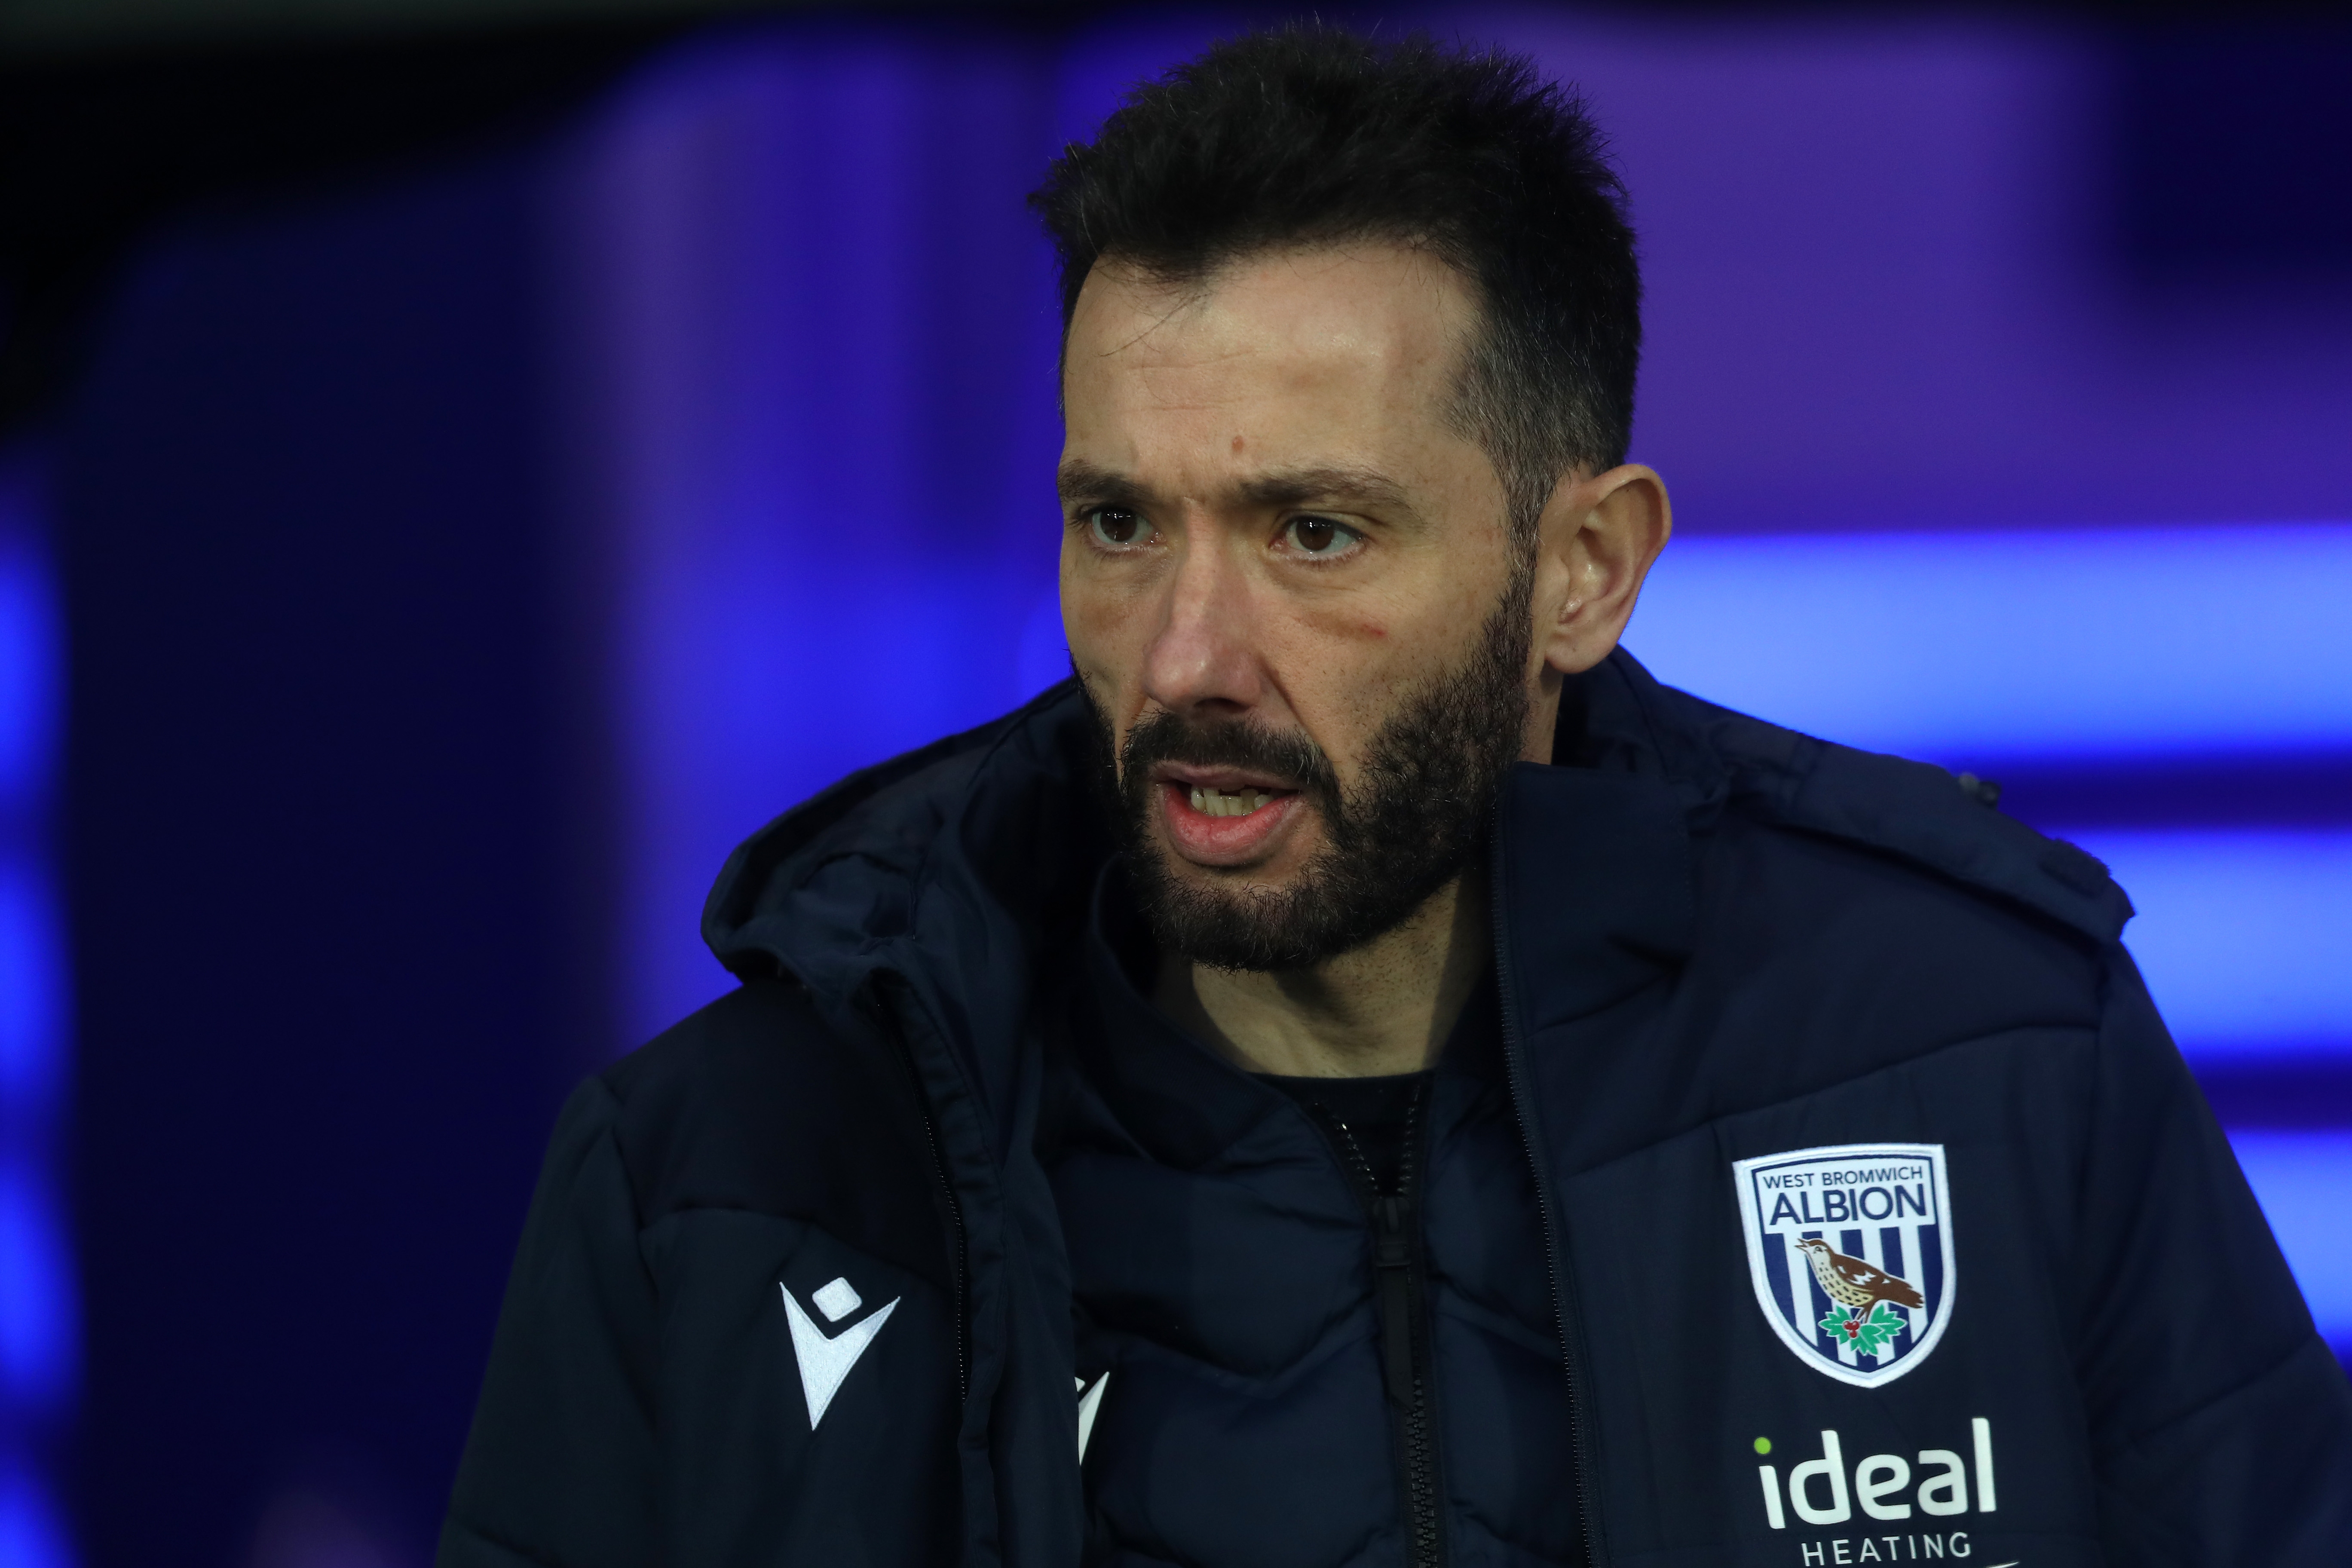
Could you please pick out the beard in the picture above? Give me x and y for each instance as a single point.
(1405, 829)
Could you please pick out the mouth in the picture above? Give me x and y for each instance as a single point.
(1222, 817)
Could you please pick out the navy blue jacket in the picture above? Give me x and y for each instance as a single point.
(1225, 1249)
(1876, 1217)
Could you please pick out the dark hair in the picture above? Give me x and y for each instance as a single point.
(1308, 135)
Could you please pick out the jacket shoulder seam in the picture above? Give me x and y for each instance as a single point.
(1914, 811)
(1920, 815)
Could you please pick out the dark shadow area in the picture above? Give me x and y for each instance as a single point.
(2233, 140)
(317, 861)
(96, 149)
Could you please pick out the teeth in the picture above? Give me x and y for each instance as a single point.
(1217, 803)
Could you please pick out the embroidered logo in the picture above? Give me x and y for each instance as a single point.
(1090, 1401)
(824, 1361)
(1849, 1250)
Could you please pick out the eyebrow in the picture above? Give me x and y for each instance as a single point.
(1078, 480)
(1081, 480)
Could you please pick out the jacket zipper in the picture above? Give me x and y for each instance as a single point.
(956, 1260)
(956, 1250)
(1405, 1371)
(1515, 1069)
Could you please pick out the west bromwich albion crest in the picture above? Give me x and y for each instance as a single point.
(1849, 1247)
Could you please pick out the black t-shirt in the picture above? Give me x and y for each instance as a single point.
(1371, 1118)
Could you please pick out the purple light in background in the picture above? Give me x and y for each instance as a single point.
(29, 644)
(38, 1338)
(2304, 1183)
(819, 341)
(2078, 644)
(32, 999)
(1880, 291)
(32, 1533)
(2242, 934)
(37, 1331)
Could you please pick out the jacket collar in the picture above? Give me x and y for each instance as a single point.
(1592, 856)
(1188, 1104)
(1592, 889)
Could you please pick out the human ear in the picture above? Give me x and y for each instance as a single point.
(1597, 539)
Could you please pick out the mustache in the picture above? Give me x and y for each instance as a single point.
(1169, 737)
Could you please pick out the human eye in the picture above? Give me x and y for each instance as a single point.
(1115, 528)
(1321, 537)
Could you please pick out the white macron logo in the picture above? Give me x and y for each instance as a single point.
(1090, 1401)
(824, 1361)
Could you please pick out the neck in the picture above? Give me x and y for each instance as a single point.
(1385, 1007)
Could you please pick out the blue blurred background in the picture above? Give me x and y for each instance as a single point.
(456, 483)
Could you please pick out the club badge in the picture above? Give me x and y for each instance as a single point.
(1850, 1248)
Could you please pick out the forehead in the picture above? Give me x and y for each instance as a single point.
(1365, 334)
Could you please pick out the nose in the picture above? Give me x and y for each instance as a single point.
(1204, 656)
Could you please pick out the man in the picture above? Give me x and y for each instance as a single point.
(1364, 1074)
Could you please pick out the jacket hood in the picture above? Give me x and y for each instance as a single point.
(956, 870)
(843, 875)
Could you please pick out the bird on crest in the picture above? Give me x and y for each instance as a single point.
(1852, 1283)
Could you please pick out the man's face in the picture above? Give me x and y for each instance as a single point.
(1290, 592)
